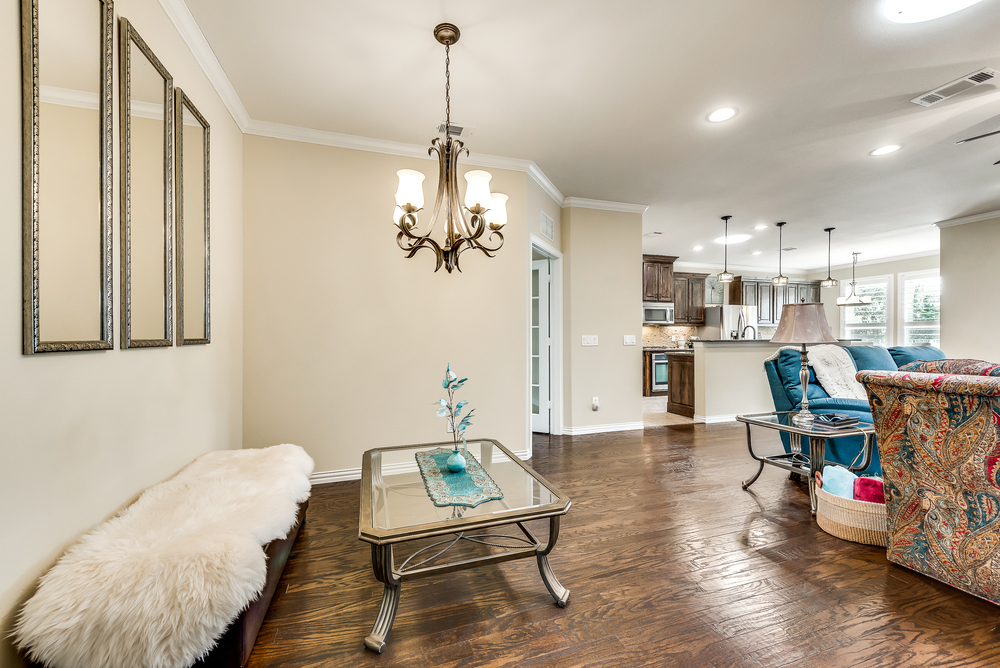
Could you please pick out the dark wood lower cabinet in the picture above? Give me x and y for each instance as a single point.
(680, 384)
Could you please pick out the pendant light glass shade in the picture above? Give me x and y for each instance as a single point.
(478, 191)
(496, 217)
(779, 279)
(411, 189)
(853, 298)
(725, 276)
(829, 281)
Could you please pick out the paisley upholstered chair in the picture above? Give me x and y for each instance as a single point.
(938, 426)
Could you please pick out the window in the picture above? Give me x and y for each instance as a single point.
(920, 308)
(869, 322)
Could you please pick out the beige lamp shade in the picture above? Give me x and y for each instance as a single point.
(803, 323)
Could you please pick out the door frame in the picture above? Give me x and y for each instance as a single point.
(555, 333)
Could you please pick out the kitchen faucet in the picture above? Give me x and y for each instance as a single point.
(743, 334)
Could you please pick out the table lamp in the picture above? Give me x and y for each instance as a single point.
(803, 324)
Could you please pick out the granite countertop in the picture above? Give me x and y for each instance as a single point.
(666, 349)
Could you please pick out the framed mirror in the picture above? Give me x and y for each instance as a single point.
(147, 191)
(66, 55)
(193, 303)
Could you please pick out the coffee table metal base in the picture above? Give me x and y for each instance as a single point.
(392, 578)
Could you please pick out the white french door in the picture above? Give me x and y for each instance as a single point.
(541, 347)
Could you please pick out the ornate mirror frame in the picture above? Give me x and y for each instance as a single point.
(183, 102)
(30, 88)
(128, 36)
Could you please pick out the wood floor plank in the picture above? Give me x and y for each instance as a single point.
(669, 561)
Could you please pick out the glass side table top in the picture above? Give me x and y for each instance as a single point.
(395, 506)
(781, 420)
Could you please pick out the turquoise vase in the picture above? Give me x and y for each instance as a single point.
(456, 462)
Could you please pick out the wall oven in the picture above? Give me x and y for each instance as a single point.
(655, 313)
(659, 363)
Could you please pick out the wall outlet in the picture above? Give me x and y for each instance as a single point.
(590, 339)
(630, 339)
(597, 404)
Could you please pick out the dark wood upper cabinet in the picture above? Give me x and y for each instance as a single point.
(658, 278)
(769, 299)
(689, 298)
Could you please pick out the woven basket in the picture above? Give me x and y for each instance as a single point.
(847, 519)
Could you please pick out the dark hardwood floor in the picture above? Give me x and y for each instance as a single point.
(669, 563)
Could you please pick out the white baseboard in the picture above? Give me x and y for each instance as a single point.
(346, 475)
(713, 419)
(601, 428)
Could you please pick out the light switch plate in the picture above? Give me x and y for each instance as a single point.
(590, 339)
(630, 339)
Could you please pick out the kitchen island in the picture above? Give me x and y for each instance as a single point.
(729, 378)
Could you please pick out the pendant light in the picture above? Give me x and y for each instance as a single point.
(829, 281)
(853, 298)
(725, 276)
(779, 279)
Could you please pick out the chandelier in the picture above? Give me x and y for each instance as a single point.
(853, 298)
(726, 276)
(486, 209)
(829, 281)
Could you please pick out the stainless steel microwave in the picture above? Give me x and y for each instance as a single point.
(656, 313)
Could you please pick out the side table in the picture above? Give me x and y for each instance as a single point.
(796, 461)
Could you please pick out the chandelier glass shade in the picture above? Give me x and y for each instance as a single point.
(487, 211)
(779, 279)
(725, 276)
(853, 298)
(829, 281)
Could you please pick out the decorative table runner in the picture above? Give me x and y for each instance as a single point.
(465, 488)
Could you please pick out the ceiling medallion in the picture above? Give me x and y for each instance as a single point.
(486, 209)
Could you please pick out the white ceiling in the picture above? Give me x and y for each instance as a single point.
(610, 100)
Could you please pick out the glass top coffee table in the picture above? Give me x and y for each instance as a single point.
(396, 509)
(796, 461)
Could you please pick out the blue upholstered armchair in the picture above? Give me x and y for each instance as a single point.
(786, 390)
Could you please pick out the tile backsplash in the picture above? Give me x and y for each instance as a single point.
(661, 336)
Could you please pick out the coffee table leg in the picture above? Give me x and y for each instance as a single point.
(559, 593)
(382, 566)
(817, 455)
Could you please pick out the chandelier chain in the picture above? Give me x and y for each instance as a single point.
(447, 91)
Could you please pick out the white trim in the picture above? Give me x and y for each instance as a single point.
(556, 333)
(535, 172)
(192, 35)
(714, 419)
(346, 475)
(895, 258)
(601, 428)
(969, 219)
(67, 97)
(901, 279)
(624, 207)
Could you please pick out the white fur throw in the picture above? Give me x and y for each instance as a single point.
(836, 372)
(157, 585)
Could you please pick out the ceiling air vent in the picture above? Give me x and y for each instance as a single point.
(955, 87)
(463, 131)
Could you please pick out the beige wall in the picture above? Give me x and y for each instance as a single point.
(729, 380)
(346, 340)
(602, 295)
(893, 267)
(83, 433)
(970, 319)
(540, 201)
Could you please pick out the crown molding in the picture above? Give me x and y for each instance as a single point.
(883, 260)
(543, 181)
(67, 97)
(188, 28)
(968, 219)
(624, 207)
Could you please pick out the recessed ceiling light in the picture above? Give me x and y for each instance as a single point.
(755, 253)
(891, 148)
(720, 115)
(915, 11)
(697, 248)
(733, 239)
(761, 227)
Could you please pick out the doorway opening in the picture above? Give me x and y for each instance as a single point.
(545, 323)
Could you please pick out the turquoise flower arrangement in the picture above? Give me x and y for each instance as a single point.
(449, 409)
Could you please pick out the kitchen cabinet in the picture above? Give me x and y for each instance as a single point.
(680, 384)
(689, 298)
(769, 299)
(658, 278)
